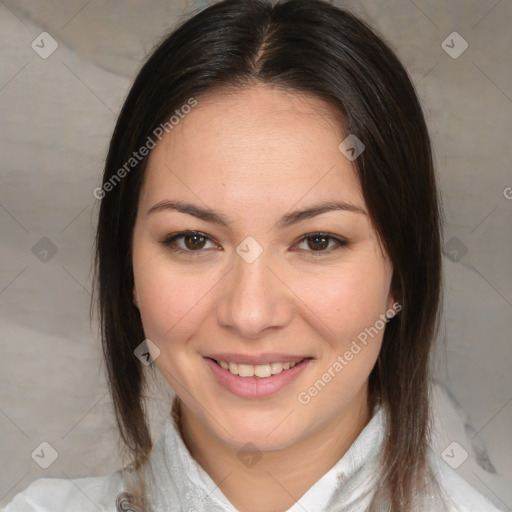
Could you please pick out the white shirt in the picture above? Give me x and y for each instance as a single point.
(182, 485)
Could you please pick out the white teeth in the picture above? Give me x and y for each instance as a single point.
(244, 370)
(258, 370)
(276, 368)
(262, 370)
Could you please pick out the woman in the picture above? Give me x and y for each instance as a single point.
(269, 240)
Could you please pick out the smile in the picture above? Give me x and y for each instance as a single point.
(255, 370)
(256, 380)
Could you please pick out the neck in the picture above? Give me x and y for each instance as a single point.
(280, 477)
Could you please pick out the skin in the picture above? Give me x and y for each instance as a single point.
(254, 155)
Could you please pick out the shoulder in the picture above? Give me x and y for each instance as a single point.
(91, 494)
(459, 494)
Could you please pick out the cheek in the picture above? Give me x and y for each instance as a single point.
(171, 303)
(348, 300)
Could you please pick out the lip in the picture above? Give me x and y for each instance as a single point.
(264, 358)
(256, 387)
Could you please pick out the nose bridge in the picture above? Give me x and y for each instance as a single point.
(253, 299)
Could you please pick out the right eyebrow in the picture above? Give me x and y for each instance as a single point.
(191, 209)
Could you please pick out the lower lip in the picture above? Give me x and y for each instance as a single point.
(256, 387)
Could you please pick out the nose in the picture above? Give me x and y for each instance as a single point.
(254, 299)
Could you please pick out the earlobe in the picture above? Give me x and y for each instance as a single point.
(393, 306)
(391, 300)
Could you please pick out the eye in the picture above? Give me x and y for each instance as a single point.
(319, 243)
(193, 242)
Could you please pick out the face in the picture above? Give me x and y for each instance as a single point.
(237, 276)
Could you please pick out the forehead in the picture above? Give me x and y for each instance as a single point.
(260, 140)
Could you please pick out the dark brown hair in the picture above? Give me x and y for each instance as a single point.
(313, 48)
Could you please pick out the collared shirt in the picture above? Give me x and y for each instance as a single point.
(181, 485)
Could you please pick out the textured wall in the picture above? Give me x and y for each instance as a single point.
(57, 112)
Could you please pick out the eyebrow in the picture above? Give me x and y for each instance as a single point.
(285, 221)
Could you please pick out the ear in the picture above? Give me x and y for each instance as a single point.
(390, 304)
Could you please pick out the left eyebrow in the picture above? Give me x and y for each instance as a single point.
(318, 209)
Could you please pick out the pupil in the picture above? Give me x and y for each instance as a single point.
(323, 243)
(195, 239)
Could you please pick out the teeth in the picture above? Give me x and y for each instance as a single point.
(244, 370)
(258, 370)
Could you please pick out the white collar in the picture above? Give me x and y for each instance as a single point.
(179, 479)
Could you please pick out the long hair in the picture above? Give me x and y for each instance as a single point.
(314, 48)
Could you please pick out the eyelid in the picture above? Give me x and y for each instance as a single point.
(340, 242)
(171, 238)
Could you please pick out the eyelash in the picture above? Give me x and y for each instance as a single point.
(170, 240)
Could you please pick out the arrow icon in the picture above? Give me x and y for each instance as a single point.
(44, 455)
(44, 253)
(452, 45)
(351, 147)
(40, 45)
(245, 249)
(147, 355)
(454, 455)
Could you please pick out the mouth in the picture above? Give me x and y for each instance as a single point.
(261, 371)
(261, 380)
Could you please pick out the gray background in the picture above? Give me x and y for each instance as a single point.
(57, 115)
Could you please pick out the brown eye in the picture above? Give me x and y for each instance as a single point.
(188, 242)
(318, 242)
(194, 241)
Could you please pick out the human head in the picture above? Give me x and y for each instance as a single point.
(311, 48)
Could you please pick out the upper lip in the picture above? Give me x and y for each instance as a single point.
(265, 358)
